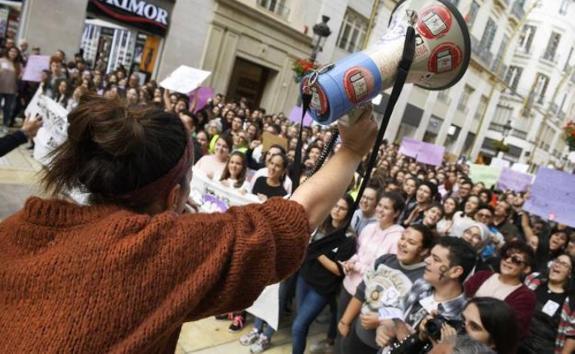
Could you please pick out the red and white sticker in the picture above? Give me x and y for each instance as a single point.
(358, 83)
(444, 58)
(434, 22)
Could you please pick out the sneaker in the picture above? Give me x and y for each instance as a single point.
(225, 316)
(262, 344)
(324, 346)
(250, 338)
(238, 323)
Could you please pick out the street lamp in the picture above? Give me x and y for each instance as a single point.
(506, 130)
(320, 33)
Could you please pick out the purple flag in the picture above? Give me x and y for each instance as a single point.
(552, 196)
(410, 147)
(201, 96)
(513, 180)
(430, 154)
(295, 116)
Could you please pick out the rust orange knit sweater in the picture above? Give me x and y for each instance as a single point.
(101, 279)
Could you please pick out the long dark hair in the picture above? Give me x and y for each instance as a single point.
(327, 228)
(242, 177)
(499, 321)
(113, 149)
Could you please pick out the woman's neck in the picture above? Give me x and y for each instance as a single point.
(555, 286)
(384, 224)
(509, 280)
(335, 223)
(272, 181)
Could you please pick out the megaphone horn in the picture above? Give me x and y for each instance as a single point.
(442, 52)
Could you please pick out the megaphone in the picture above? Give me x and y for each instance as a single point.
(442, 52)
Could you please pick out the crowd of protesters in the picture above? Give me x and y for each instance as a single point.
(430, 259)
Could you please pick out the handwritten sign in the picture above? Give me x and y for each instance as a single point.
(34, 67)
(213, 196)
(185, 79)
(513, 180)
(552, 195)
(430, 154)
(54, 125)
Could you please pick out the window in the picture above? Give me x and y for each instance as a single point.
(513, 76)
(488, 35)
(352, 32)
(278, 7)
(540, 87)
(472, 14)
(526, 38)
(552, 46)
(467, 92)
(564, 7)
(481, 108)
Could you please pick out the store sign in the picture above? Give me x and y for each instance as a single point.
(140, 13)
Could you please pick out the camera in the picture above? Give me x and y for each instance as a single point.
(413, 344)
(433, 326)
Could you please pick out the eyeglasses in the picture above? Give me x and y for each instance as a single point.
(515, 259)
(562, 264)
(482, 215)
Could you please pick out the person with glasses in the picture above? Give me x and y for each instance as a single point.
(551, 290)
(517, 261)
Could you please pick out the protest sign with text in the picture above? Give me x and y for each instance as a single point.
(185, 79)
(552, 195)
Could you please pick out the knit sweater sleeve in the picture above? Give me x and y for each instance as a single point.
(234, 255)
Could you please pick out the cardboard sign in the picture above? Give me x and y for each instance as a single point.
(431, 154)
(185, 79)
(552, 195)
(269, 139)
(34, 67)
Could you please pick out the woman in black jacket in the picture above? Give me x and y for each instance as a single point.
(321, 275)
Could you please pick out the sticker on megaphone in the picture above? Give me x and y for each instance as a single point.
(442, 52)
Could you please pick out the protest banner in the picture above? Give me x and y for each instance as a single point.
(200, 97)
(268, 139)
(212, 196)
(409, 147)
(430, 154)
(496, 162)
(520, 167)
(185, 79)
(483, 173)
(552, 195)
(295, 116)
(54, 125)
(513, 180)
(34, 67)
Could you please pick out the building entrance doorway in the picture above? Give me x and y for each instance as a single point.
(248, 80)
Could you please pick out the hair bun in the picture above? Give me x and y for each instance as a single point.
(109, 123)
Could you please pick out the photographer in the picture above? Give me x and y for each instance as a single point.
(440, 290)
(486, 320)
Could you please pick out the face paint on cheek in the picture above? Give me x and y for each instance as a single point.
(442, 270)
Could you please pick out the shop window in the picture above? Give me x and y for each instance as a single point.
(352, 31)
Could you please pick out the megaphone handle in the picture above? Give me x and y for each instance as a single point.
(402, 72)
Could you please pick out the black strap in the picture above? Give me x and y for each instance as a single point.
(306, 101)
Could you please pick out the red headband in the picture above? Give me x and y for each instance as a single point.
(162, 185)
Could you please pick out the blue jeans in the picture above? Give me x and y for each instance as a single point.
(7, 107)
(259, 324)
(309, 305)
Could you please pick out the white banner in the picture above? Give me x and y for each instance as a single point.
(54, 125)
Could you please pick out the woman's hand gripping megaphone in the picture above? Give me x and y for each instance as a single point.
(358, 132)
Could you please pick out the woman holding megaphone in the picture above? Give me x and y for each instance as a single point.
(124, 273)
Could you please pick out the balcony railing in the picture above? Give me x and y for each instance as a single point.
(519, 134)
(482, 53)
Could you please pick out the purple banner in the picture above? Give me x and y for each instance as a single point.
(513, 180)
(200, 97)
(410, 147)
(295, 116)
(552, 195)
(431, 154)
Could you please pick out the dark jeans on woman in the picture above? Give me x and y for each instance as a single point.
(7, 107)
(310, 303)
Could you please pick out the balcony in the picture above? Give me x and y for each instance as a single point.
(517, 10)
(276, 7)
(483, 54)
(519, 134)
